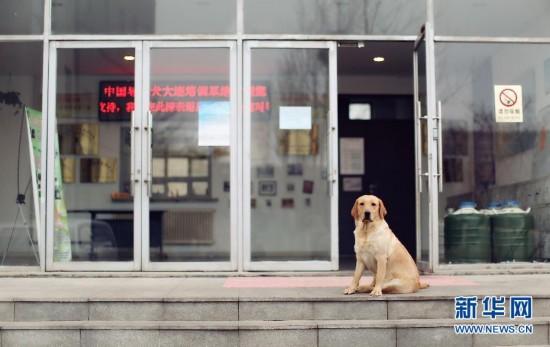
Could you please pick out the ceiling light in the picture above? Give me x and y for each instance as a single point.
(129, 57)
(378, 59)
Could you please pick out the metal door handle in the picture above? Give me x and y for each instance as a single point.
(149, 129)
(439, 147)
(419, 144)
(332, 176)
(133, 130)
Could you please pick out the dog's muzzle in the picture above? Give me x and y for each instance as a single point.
(366, 217)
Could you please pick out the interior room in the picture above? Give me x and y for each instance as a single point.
(376, 136)
(189, 183)
(290, 189)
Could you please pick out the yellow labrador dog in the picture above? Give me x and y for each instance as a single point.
(378, 250)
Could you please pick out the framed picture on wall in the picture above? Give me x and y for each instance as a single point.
(295, 169)
(307, 187)
(265, 171)
(352, 184)
(68, 166)
(98, 170)
(290, 187)
(267, 188)
(287, 203)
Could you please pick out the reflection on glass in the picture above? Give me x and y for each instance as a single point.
(93, 218)
(20, 87)
(144, 17)
(502, 18)
(494, 205)
(423, 163)
(158, 167)
(199, 168)
(200, 188)
(178, 167)
(396, 17)
(295, 78)
(22, 17)
(189, 208)
(177, 190)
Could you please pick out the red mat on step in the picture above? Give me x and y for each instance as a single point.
(330, 282)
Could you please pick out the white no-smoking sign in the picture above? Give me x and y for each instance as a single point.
(508, 104)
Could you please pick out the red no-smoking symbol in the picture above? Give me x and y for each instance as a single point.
(508, 97)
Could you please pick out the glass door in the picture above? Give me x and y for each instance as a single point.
(290, 156)
(425, 135)
(189, 209)
(93, 185)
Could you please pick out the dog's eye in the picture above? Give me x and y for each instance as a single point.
(373, 204)
(361, 203)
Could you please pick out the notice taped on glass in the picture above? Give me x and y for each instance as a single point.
(508, 104)
(352, 156)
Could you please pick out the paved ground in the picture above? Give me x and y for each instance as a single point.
(314, 287)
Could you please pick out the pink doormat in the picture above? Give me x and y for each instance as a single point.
(330, 282)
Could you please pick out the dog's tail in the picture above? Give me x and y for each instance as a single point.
(423, 285)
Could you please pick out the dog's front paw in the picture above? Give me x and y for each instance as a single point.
(376, 291)
(350, 290)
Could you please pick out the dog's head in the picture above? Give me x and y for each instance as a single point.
(368, 208)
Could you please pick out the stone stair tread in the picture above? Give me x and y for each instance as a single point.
(253, 325)
(161, 311)
(259, 298)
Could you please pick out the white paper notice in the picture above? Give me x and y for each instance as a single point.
(508, 104)
(214, 123)
(352, 184)
(359, 111)
(295, 117)
(352, 156)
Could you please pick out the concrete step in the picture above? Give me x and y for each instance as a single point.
(296, 333)
(240, 308)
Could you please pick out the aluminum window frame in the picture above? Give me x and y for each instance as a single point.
(239, 37)
(51, 130)
(481, 268)
(41, 222)
(312, 265)
(235, 190)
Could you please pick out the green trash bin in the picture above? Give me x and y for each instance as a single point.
(513, 236)
(467, 238)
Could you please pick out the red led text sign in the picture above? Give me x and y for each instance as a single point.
(116, 98)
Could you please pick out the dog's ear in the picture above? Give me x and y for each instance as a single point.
(382, 212)
(355, 211)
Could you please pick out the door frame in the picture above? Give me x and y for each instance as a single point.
(230, 265)
(433, 134)
(51, 131)
(248, 264)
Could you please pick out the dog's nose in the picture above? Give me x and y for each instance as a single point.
(367, 215)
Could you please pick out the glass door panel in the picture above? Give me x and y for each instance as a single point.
(423, 169)
(421, 116)
(427, 136)
(289, 126)
(91, 175)
(189, 153)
